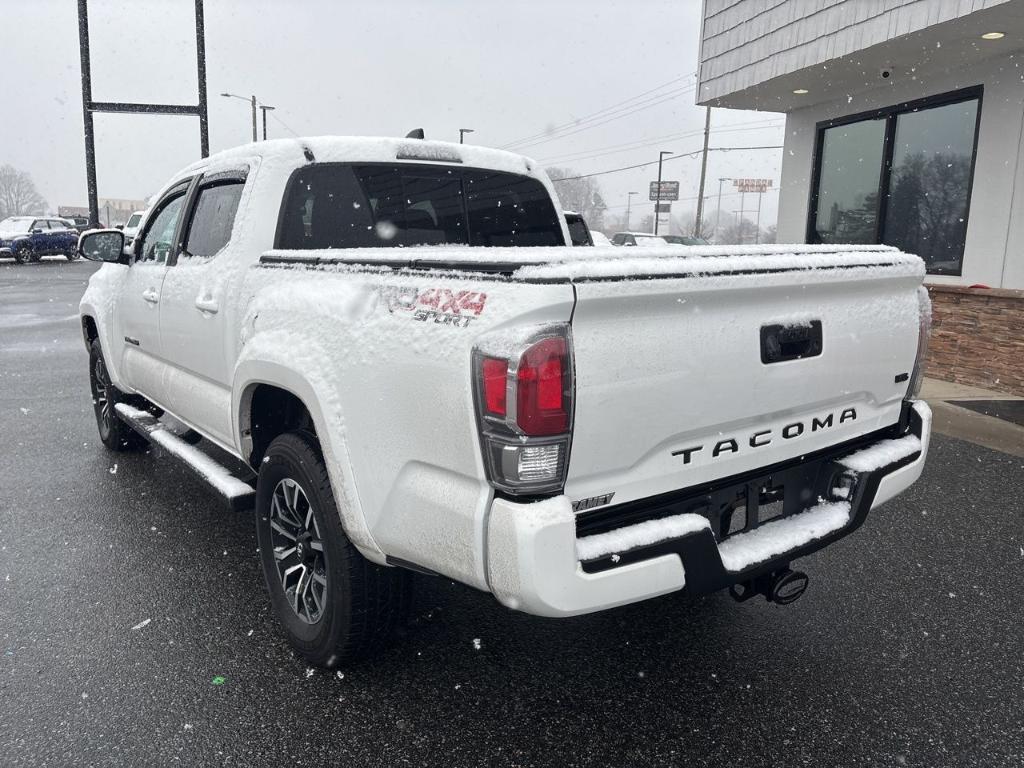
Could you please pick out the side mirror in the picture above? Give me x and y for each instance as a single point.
(119, 226)
(105, 245)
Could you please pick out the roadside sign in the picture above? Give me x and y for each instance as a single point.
(663, 207)
(752, 185)
(669, 190)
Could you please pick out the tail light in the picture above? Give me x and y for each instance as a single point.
(924, 328)
(524, 394)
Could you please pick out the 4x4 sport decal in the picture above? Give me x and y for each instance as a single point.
(439, 305)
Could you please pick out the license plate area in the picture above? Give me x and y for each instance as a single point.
(756, 504)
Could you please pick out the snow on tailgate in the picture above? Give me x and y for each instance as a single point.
(579, 263)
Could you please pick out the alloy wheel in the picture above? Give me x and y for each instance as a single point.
(298, 551)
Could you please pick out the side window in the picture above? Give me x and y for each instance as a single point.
(158, 240)
(40, 224)
(213, 219)
(54, 224)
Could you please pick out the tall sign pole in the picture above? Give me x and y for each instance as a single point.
(89, 106)
(699, 224)
(657, 210)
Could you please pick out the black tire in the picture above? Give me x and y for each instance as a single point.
(23, 254)
(361, 605)
(71, 255)
(114, 433)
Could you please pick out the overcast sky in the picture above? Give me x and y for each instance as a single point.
(508, 70)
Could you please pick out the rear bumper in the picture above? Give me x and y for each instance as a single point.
(538, 562)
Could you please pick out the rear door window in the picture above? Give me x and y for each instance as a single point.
(380, 205)
(213, 218)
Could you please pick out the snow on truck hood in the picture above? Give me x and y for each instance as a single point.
(574, 263)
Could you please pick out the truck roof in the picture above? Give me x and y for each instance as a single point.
(373, 149)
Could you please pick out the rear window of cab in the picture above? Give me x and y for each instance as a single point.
(331, 205)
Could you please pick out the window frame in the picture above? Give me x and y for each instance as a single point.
(891, 114)
(181, 189)
(201, 182)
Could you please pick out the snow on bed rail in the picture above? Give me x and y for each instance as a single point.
(639, 535)
(569, 263)
(882, 454)
(215, 474)
(743, 550)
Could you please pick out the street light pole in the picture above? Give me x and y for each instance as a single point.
(265, 109)
(252, 101)
(657, 202)
(629, 199)
(462, 133)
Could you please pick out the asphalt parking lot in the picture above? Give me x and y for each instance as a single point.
(135, 629)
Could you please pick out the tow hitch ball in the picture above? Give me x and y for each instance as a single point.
(783, 586)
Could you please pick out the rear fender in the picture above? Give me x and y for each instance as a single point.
(264, 360)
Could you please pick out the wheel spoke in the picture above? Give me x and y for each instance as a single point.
(317, 545)
(281, 529)
(319, 578)
(280, 553)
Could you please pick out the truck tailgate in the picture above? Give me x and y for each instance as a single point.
(681, 371)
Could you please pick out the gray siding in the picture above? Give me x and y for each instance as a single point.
(746, 42)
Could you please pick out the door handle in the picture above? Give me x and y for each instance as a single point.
(151, 296)
(208, 306)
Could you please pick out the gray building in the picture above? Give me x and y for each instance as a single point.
(904, 125)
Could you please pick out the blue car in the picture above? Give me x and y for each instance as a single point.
(29, 238)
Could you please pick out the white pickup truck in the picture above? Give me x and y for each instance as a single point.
(422, 376)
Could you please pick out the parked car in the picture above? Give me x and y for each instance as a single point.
(685, 240)
(579, 232)
(600, 239)
(131, 227)
(639, 238)
(29, 238)
(80, 223)
(569, 431)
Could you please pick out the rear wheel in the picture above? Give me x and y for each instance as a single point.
(114, 433)
(334, 604)
(23, 254)
(71, 254)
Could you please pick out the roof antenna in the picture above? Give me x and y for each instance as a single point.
(415, 133)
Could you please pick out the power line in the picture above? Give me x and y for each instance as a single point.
(631, 145)
(284, 125)
(654, 162)
(611, 117)
(610, 108)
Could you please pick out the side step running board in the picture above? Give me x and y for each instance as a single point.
(237, 494)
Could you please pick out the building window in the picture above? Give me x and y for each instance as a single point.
(899, 176)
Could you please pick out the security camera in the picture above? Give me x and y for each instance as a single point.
(886, 73)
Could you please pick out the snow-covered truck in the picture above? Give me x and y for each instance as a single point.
(416, 372)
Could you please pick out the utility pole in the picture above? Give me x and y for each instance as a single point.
(629, 199)
(657, 202)
(265, 109)
(703, 172)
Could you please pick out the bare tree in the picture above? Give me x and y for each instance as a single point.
(739, 232)
(580, 195)
(18, 194)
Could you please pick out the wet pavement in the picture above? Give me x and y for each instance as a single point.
(134, 625)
